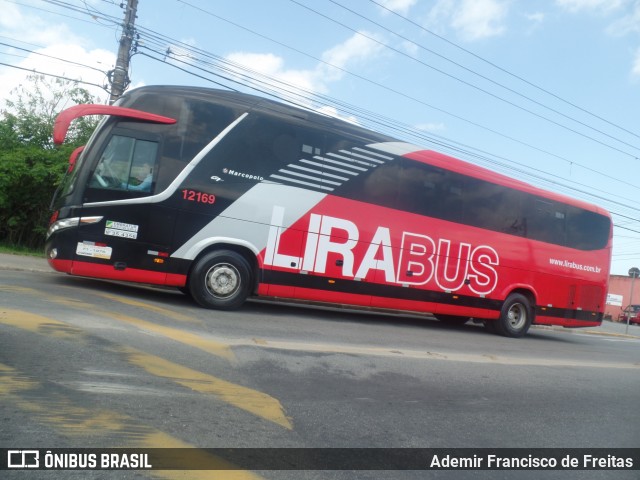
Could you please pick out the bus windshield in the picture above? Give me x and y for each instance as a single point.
(133, 177)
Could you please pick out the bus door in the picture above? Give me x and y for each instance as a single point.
(124, 235)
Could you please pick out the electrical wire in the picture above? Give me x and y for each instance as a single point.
(571, 162)
(480, 89)
(32, 70)
(268, 87)
(503, 70)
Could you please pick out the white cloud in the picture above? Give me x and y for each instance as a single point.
(57, 41)
(332, 112)
(629, 23)
(355, 50)
(535, 21)
(103, 60)
(472, 19)
(273, 66)
(430, 127)
(399, 6)
(440, 14)
(478, 19)
(625, 24)
(537, 17)
(582, 5)
(410, 48)
(635, 69)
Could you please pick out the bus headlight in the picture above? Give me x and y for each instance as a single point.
(71, 222)
(62, 224)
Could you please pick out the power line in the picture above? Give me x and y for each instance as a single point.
(199, 51)
(498, 67)
(484, 77)
(273, 89)
(52, 57)
(460, 151)
(389, 89)
(378, 85)
(53, 75)
(476, 87)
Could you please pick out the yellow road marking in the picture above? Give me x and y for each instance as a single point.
(59, 412)
(80, 304)
(39, 324)
(244, 398)
(214, 347)
(148, 306)
(16, 289)
(11, 382)
(252, 401)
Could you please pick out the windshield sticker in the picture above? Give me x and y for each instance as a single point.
(122, 230)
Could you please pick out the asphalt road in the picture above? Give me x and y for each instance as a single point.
(85, 363)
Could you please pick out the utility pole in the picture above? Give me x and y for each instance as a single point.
(119, 76)
(633, 273)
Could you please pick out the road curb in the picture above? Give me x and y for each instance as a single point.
(24, 263)
(587, 332)
(610, 334)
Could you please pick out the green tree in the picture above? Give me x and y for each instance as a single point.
(31, 167)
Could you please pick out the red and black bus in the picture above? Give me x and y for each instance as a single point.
(226, 196)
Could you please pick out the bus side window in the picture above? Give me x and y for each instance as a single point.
(126, 164)
(431, 191)
(546, 221)
(586, 230)
(494, 207)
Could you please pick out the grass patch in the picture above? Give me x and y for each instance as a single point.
(20, 250)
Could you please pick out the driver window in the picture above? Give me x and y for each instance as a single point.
(127, 164)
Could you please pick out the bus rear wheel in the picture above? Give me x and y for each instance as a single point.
(516, 316)
(220, 280)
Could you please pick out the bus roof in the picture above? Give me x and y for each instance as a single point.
(415, 152)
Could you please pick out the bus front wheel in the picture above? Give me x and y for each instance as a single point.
(516, 316)
(220, 280)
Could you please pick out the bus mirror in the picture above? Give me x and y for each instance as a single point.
(64, 118)
(73, 157)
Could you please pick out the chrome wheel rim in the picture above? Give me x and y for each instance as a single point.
(222, 280)
(517, 316)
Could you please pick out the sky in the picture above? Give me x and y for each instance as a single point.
(545, 91)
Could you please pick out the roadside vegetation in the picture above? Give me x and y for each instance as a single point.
(31, 167)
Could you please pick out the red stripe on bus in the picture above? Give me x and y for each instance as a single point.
(108, 272)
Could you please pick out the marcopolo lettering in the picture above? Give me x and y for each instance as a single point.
(423, 260)
(248, 176)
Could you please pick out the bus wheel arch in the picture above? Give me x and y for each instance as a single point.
(222, 277)
(516, 315)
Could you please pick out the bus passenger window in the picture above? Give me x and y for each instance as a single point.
(126, 164)
(545, 220)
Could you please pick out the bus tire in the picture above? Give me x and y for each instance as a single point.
(452, 319)
(516, 317)
(220, 280)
